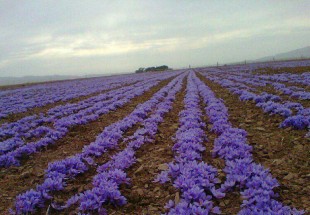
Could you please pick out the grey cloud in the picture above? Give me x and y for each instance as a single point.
(48, 37)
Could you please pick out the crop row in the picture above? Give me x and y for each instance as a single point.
(194, 178)
(198, 183)
(59, 172)
(277, 82)
(270, 103)
(22, 99)
(270, 65)
(15, 147)
(255, 183)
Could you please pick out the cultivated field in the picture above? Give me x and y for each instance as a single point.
(221, 140)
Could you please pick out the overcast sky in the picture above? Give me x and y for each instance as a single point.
(40, 37)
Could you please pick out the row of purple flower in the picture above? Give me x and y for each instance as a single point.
(22, 99)
(268, 102)
(275, 80)
(108, 180)
(15, 147)
(197, 181)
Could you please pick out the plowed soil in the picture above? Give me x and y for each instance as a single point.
(284, 151)
(15, 180)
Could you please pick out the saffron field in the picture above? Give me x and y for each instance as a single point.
(212, 140)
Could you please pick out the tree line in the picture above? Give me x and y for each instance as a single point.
(152, 69)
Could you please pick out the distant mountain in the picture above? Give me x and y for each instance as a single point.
(295, 54)
(33, 79)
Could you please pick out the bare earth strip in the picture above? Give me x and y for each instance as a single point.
(284, 151)
(284, 97)
(84, 181)
(144, 196)
(16, 180)
(295, 70)
(270, 89)
(230, 204)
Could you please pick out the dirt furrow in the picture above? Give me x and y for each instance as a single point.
(271, 71)
(84, 181)
(230, 204)
(143, 195)
(284, 151)
(271, 90)
(15, 180)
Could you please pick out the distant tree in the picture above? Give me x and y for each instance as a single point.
(140, 70)
(152, 69)
(161, 68)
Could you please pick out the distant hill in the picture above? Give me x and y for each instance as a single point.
(33, 79)
(295, 54)
(37, 79)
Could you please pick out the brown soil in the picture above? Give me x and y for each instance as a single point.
(84, 181)
(15, 180)
(284, 151)
(230, 204)
(271, 71)
(144, 196)
(270, 89)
